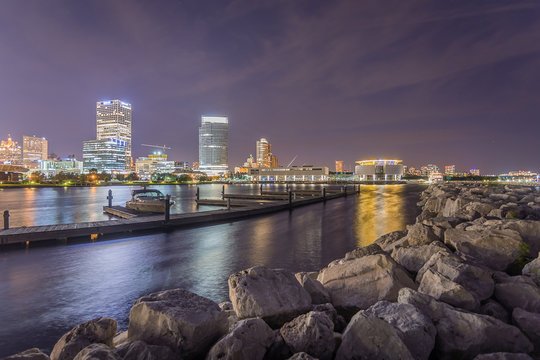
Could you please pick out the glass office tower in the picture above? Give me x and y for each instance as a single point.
(214, 145)
(113, 118)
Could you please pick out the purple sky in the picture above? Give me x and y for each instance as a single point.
(444, 82)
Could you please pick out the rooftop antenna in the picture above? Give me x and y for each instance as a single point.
(294, 158)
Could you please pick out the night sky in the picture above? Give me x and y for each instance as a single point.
(444, 82)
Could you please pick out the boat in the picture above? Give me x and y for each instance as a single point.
(148, 200)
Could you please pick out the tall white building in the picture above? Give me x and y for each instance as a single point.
(263, 153)
(113, 118)
(214, 145)
(34, 149)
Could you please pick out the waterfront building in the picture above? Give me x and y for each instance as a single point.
(520, 176)
(379, 170)
(339, 166)
(33, 150)
(263, 153)
(113, 118)
(104, 155)
(436, 177)
(10, 152)
(53, 167)
(214, 145)
(450, 170)
(474, 172)
(306, 173)
(155, 163)
(429, 169)
(195, 165)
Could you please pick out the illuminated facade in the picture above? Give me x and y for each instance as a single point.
(155, 163)
(10, 152)
(291, 174)
(379, 170)
(339, 166)
(263, 153)
(53, 167)
(429, 169)
(113, 118)
(475, 172)
(214, 145)
(104, 155)
(450, 170)
(34, 149)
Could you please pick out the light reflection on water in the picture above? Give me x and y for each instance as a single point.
(46, 290)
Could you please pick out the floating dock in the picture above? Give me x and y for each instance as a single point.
(92, 230)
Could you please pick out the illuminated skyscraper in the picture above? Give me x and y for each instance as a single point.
(450, 169)
(34, 149)
(10, 152)
(264, 150)
(113, 118)
(214, 145)
(339, 166)
(104, 155)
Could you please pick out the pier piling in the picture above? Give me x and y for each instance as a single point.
(228, 203)
(261, 189)
(6, 219)
(110, 197)
(290, 199)
(167, 207)
(197, 193)
(223, 192)
(324, 193)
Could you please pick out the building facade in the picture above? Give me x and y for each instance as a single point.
(214, 145)
(10, 152)
(339, 166)
(155, 163)
(53, 167)
(34, 149)
(104, 155)
(113, 119)
(379, 170)
(264, 151)
(450, 170)
(291, 174)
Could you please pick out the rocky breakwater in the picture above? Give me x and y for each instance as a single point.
(460, 283)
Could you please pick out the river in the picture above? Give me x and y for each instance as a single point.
(45, 290)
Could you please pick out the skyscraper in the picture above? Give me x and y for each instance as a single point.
(264, 150)
(10, 152)
(34, 149)
(339, 166)
(104, 155)
(113, 118)
(214, 145)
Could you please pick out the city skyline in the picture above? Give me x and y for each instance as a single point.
(427, 78)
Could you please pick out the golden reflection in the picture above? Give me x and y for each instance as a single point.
(379, 211)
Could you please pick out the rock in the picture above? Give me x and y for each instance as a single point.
(503, 356)
(529, 323)
(139, 350)
(226, 306)
(186, 322)
(96, 351)
(495, 248)
(363, 251)
(101, 330)
(482, 208)
(493, 308)
(518, 292)
(279, 349)
(443, 289)
(443, 222)
(452, 207)
(386, 241)
(413, 258)
(274, 295)
(372, 338)
(248, 339)
(30, 354)
(315, 289)
(302, 356)
(338, 320)
(417, 329)
(532, 270)
(120, 339)
(462, 334)
(312, 333)
(360, 283)
(420, 234)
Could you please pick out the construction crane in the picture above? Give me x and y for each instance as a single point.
(157, 147)
(294, 158)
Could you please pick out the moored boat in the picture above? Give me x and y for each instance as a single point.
(148, 200)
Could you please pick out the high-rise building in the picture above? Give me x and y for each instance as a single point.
(264, 149)
(339, 166)
(273, 161)
(10, 152)
(429, 169)
(475, 172)
(113, 118)
(214, 145)
(450, 170)
(104, 155)
(34, 149)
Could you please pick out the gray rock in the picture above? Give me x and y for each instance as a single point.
(301, 356)
(387, 241)
(482, 208)
(315, 289)
(417, 329)
(279, 349)
(372, 338)
(312, 333)
(120, 339)
(30, 354)
(186, 322)
(248, 339)
(495, 248)
(360, 283)
(503, 356)
(518, 292)
(338, 320)
(413, 258)
(274, 295)
(226, 306)
(462, 334)
(363, 251)
(443, 222)
(420, 234)
(96, 351)
(493, 308)
(139, 350)
(529, 323)
(443, 289)
(532, 270)
(101, 330)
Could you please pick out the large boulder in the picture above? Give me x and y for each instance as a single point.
(96, 352)
(272, 294)
(302, 356)
(372, 338)
(30, 354)
(101, 330)
(518, 292)
(493, 308)
(532, 270)
(387, 242)
(315, 289)
(360, 283)
(418, 331)
(363, 251)
(420, 234)
(413, 258)
(495, 248)
(482, 208)
(312, 333)
(503, 356)
(139, 350)
(529, 323)
(248, 339)
(186, 322)
(443, 289)
(462, 334)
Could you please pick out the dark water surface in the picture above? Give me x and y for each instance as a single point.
(46, 290)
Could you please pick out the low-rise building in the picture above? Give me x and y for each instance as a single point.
(379, 170)
(10, 152)
(53, 167)
(306, 173)
(155, 163)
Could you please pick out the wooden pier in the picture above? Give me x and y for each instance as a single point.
(94, 229)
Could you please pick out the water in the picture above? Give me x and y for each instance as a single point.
(46, 290)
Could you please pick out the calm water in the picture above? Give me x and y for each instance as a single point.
(46, 290)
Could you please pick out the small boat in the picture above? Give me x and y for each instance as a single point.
(147, 200)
